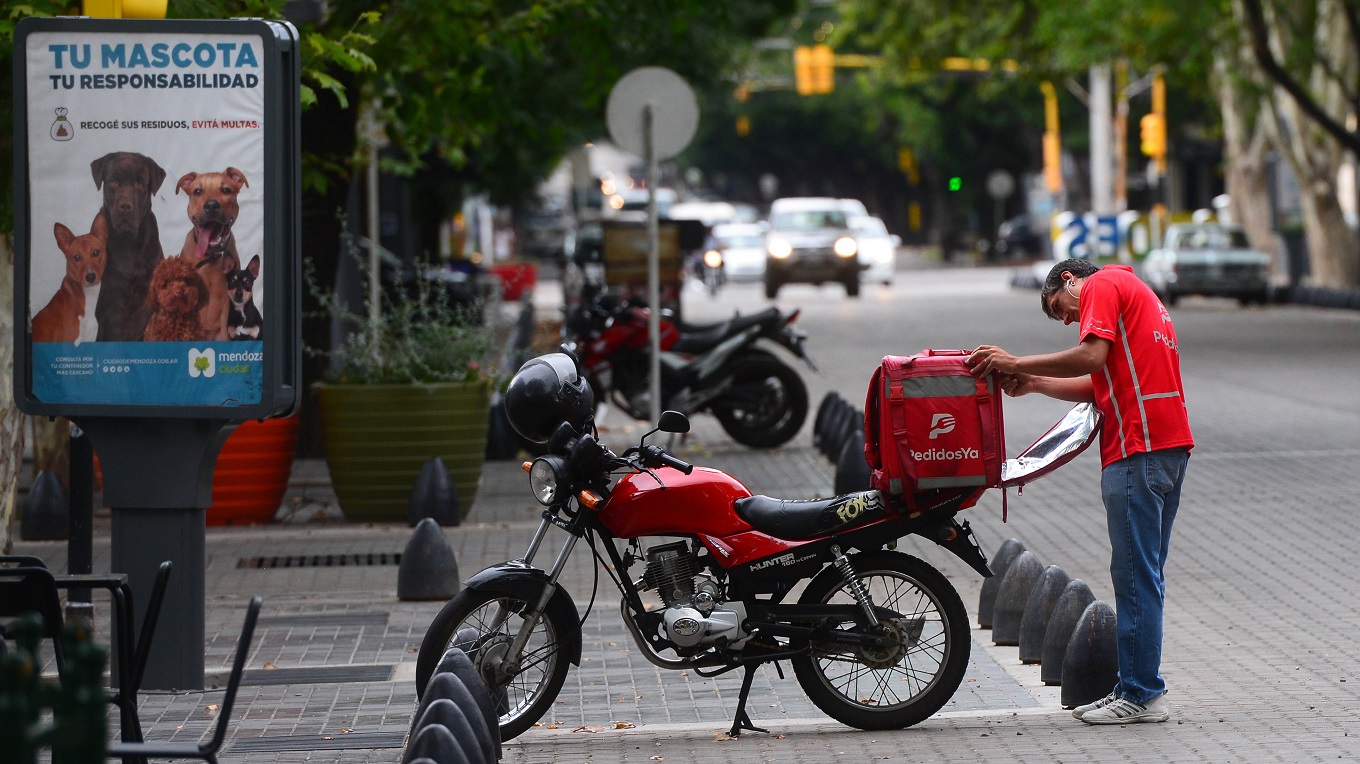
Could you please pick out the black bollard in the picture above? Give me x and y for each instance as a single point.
(428, 570)
(438, 743)
(457, 662)
(852, 471)
(987, 600)
(1091, 663)
(823, 418)
(1071, 603)
(447, 713)
(843, 421)
(502, 444)
(1038, 612)
(434, 495)
(1012, 597)
(47, 512)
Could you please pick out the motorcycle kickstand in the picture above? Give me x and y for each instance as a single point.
(743, 719)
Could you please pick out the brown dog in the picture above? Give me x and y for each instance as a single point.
(128, 181)
(176, 297)
(70, 315)
(213, 208)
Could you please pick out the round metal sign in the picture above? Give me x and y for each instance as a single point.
(675, 111)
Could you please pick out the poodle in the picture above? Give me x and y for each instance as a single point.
(176, 296)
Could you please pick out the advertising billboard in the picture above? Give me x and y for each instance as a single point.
(156, 218)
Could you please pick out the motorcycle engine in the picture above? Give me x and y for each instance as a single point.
(695, 613)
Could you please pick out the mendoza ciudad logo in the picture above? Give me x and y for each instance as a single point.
(209, 362)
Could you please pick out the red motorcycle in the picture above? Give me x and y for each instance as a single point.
(878, 639)
(722, 368)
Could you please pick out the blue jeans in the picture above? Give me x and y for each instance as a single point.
(1142, 493)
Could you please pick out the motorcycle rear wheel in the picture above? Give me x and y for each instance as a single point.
(892, 687)
(766, 405)
(496, 619)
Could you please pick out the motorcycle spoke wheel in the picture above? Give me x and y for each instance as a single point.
(900, 684)
(484, 625)
(766, 405)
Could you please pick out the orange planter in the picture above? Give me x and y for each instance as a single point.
(252, 472)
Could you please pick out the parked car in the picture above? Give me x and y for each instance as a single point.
(1208, 259)
(877, 249)
(810, 242)
(1017, 237)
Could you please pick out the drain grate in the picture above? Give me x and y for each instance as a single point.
(321, 560)
(317, 675)
(322, 620)
(347, 741)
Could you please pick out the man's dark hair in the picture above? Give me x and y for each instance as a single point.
(1054, 282)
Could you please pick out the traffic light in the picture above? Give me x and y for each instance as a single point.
(1053, 179)
(1153, 134)
(124, 9)
(956, 183)
(814, 69)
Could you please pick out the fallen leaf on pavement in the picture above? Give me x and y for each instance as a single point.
(588, 728)
(624, 725)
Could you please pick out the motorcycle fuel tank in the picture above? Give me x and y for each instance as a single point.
(700, 502)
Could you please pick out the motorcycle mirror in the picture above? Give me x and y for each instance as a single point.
(673, 421)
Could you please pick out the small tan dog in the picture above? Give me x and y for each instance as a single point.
(69, 315)
(210, 246)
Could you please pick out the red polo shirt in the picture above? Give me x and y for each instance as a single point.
(1139, 391)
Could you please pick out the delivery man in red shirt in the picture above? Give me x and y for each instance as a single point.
(1127, 361)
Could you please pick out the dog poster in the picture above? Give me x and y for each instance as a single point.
(147, 207)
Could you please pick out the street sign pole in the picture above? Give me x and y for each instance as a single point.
(653, 261)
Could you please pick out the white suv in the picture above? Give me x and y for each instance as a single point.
(810, 242)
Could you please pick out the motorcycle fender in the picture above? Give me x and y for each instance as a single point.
(527, 584)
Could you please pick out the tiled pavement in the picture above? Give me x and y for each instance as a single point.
(1261, 653)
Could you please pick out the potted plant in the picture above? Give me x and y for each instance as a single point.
(410, 382)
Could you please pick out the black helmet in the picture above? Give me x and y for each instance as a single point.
(545, 392)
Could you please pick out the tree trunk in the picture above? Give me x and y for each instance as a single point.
(1245, 147)
(11, 420)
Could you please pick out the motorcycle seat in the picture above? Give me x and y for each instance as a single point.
(698, 338)
(798, 520)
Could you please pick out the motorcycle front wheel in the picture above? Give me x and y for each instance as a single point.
(916, 673)
(766, 404)
(484, 624)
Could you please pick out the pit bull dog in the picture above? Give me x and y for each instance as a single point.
(213, 207)
(133, 246)
(70, 315)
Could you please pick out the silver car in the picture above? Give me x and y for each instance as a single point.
(1208, 259)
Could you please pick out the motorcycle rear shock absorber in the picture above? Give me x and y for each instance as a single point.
(852, 582)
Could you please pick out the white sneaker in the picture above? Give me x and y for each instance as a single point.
(1081, 711)
(1123, 711)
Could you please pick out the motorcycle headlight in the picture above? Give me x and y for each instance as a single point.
(846, 247)
(713, 258)
(547, 476)
(780, 249)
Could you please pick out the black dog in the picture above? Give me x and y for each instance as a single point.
(243, 319)
(128, 181)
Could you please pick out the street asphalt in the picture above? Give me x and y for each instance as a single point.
(1260, 656)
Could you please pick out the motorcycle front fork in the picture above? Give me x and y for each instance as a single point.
(511, 664)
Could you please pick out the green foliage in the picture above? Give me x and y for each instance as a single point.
(419, 337)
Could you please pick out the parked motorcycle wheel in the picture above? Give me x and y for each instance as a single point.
(496, 619)
(897, 686)
(766, 404)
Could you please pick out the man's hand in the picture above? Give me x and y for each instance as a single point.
(1016, 385)
(989, 358)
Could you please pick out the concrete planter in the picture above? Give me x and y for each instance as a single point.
(377, 438)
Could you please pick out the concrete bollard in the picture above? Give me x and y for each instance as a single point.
(1071, 604)
(999, 565)
(434, 495)
(1038, 611)
(843, 424)
(502, 444)
(428, 570)
(47, 512)
(852, 472)
(1012, 597)
(1091, 663)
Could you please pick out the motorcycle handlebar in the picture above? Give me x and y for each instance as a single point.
(654, 456)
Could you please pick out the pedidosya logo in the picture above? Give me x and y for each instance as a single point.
(202, 363)
(945, 454)
(941, 424)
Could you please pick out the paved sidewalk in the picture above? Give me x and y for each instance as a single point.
(1261, 649)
